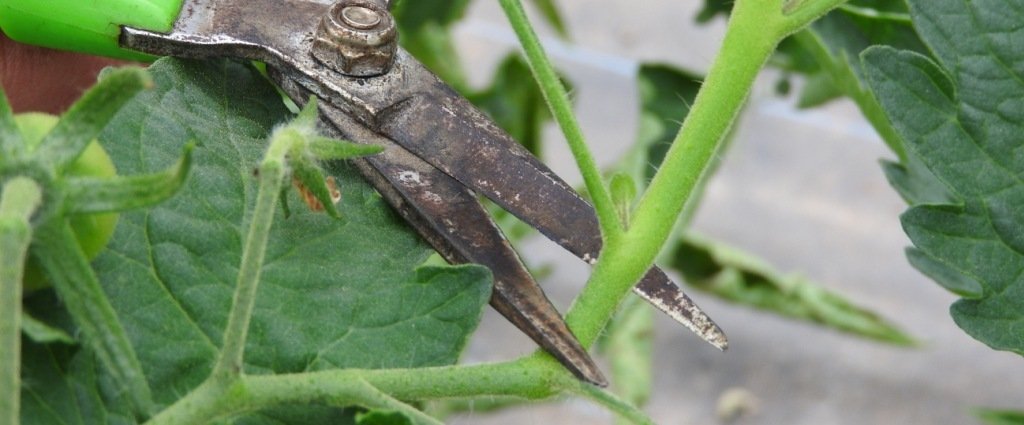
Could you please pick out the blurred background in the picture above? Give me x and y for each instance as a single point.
(801, 189)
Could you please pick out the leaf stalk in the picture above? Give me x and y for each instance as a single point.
(21, 196)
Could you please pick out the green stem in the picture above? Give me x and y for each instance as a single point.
(21, 197)
(272, 172)
(58, 251)
(558, 101)
(755, 28)
(622, 408)
(524, 378)
(747, 45)
(613, 276)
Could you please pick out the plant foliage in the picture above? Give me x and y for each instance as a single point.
(961, 113)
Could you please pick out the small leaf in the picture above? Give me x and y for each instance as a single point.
(309, 176)
(999, 416)
(87, 117)
(738, 277)
(307, 117)
(91, 195)
(43, 333)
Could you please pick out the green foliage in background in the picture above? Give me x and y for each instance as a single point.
(961, 114)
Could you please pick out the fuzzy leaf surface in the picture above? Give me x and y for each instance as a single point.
(962, 115)
(334, 294)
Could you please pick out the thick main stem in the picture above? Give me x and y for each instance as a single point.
(21, 197)
(749, 42)
(755, 28)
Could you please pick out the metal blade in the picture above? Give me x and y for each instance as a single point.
(412, 107)
(449, 217)
(444, 129)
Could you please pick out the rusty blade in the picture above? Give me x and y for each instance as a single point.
(444, 129)
(449, 216)
(412, 107)
(278, 32)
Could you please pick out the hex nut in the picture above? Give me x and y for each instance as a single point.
(357, 38)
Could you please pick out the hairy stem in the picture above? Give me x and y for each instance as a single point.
(561, 108)
(755, 28)
(21, 197)
(622, 408)
(523, 378)
(272, 172)
(58, 251)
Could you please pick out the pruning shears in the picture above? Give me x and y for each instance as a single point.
(440, 152)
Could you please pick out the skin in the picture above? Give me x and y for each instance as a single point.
(45, 80)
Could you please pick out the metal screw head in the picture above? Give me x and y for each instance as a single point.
(360, 17)
(357, 38)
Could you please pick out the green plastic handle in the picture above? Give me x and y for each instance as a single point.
(86, 26)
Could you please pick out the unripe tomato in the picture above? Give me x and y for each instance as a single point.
(92, 231)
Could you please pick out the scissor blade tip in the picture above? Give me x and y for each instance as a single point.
(717, 339)
(598, 381)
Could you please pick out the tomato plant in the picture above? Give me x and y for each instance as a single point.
(92, 231)
(211, 303)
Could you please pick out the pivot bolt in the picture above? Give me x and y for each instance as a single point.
(357, 38)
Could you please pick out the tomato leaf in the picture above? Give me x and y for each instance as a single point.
(65, 384)
(743, 279)
(962, 116)
(333, 294)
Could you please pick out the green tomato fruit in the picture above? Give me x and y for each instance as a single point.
(93, 231)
